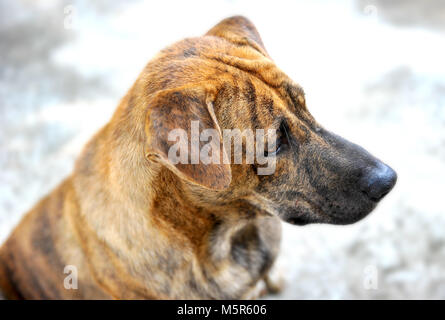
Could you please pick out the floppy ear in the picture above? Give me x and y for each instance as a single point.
(239, 30)
(170, 118)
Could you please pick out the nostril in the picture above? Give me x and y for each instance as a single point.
(375, 197)
(378, 182)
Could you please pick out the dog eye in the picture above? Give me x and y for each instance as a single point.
(281, 142)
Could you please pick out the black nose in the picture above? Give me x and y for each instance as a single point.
(378, 181)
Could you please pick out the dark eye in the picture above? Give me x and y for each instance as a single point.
(281, 142)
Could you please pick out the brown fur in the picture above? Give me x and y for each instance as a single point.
(137, 226)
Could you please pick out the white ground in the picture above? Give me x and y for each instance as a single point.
(379, 84)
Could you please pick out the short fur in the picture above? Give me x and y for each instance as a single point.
(138, 227)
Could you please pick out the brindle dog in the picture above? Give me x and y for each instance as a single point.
(135, 225)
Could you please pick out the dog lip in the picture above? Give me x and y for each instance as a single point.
(299, 218)
(304, 217)
(312, 212)
(299, 221)
(352, 216)
(318, 214)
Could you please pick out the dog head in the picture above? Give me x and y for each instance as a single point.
(226, 80)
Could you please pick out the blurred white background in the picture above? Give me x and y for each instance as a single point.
(373, 72)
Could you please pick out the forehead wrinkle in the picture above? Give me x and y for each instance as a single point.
(274, 125)
(256, 65)
(281, 104)
(295, 94)
(279, 94)
(295, 125)
(264, 70)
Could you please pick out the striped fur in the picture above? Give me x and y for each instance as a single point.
(137, 226)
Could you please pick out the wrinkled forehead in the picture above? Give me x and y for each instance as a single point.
(254, 63)
(250, 89)
(212, 51)
(248, 103)
(254, 89)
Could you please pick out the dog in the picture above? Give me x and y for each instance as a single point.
(130, 223)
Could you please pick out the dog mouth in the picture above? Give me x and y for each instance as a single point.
(306, 212)
(298, 221)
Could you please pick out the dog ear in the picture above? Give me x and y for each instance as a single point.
(239, 30)
(170, 118)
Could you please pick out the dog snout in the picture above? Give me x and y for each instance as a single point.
(377, 181)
